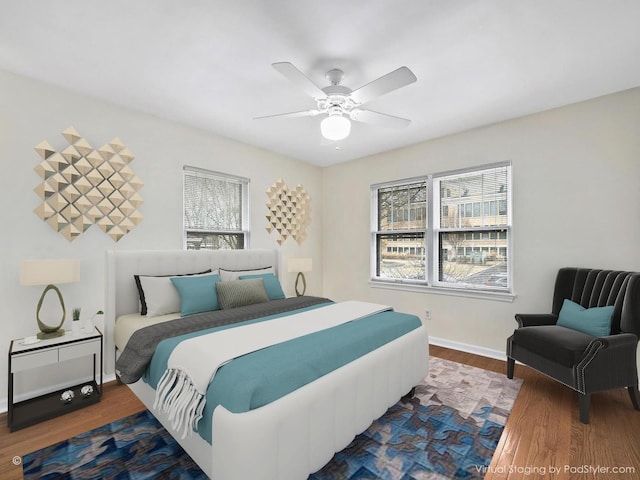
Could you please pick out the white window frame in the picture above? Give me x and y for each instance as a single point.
(375, 232)
(244, 208)
(431, 284)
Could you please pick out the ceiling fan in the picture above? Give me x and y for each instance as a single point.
(340, 104)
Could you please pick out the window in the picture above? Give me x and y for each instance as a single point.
(215, 210)
(400, 231)
(447, 230)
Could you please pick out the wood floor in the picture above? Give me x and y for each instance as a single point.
(543, 437)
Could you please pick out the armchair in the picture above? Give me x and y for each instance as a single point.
(585, 362)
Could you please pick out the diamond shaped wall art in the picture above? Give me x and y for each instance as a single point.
(82, 186)
(289, 212)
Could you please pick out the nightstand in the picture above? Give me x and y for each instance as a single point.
(24, 357)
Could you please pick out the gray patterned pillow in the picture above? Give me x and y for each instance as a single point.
(238, 293)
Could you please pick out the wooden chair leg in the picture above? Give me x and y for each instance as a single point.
(635, 396)
(584, 401)
(510, 366)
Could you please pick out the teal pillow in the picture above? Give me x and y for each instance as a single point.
(594, 321)
(271, 285)
(197, 294)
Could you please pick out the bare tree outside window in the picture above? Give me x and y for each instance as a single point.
(473, 228)
(402, 223)
(215, 210)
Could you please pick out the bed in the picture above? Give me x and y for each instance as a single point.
(294, 435)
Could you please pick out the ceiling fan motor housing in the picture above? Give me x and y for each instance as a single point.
(337, 101)
(335, 76)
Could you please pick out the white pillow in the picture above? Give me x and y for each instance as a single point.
(227, 275)
(161, 296)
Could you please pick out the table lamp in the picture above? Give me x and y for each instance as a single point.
(49, 272)
(300, 265)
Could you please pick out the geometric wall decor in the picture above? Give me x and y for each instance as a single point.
(289, 212)
(82, 186)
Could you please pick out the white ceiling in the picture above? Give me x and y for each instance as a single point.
(207, 63)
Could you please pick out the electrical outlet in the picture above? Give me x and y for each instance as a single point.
(427, 314)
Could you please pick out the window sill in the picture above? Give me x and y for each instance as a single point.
(455, 292)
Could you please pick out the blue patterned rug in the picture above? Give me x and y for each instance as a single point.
(450, 429)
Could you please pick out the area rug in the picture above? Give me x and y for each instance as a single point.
(449, 429)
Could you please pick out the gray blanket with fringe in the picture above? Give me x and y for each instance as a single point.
(135, 357)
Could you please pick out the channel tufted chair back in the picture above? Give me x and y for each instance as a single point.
(599, 288)
(582, 361)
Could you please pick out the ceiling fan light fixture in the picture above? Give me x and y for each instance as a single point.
(335, 127)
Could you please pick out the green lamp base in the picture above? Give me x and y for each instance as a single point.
(46, 335)
(300, 279)
(47, 331)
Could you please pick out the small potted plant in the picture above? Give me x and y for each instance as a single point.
(75, 324)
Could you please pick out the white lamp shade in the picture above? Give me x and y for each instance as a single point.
(49, 272)
(299, 265)
(335, 127)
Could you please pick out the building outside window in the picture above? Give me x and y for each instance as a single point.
(215, 214)
(401, 226)
(447, 230)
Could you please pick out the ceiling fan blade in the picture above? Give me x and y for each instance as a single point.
(304, 113)
(377, 118)
(385, 84)
(299, 79)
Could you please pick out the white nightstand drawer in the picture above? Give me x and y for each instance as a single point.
(79, 350)
(33, 360)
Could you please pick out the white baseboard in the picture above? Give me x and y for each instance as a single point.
(4, 406)
(465, 347)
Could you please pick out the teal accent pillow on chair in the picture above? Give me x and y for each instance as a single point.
(594, 321)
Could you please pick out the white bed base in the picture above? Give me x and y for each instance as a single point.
(299, 433)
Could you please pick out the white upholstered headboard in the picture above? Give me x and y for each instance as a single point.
(121, 294)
